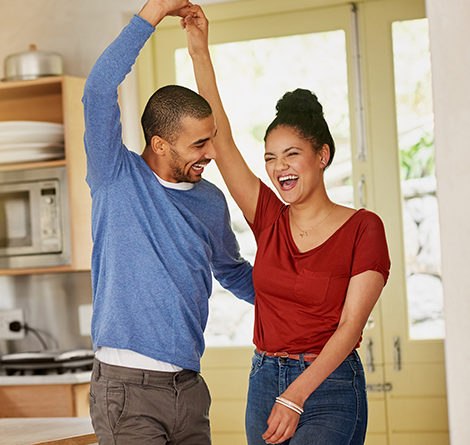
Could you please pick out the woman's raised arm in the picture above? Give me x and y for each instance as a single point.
(242, 183)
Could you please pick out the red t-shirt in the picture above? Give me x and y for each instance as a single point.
(300, 296)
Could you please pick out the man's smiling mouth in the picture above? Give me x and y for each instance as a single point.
(199, 167)
(287, 182)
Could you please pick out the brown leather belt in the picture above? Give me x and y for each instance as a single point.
(306, 357)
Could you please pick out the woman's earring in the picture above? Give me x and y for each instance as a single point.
(323, 162)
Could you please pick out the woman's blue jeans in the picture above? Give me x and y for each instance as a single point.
(334, 414)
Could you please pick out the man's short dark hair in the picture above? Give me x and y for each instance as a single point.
(166, 109)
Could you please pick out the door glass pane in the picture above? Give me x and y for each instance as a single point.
(416, 149)
(252, 76)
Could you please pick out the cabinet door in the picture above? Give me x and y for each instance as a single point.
(48, 400)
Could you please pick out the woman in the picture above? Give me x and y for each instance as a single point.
(319, 270)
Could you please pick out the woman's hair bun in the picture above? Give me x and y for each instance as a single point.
(299, 101)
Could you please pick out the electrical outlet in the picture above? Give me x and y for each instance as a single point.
(8, 316)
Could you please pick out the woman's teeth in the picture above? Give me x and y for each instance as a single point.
(288, 181)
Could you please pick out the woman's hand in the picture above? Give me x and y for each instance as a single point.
(197, 30)
(282, 424)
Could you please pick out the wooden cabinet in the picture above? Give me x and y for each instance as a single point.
(48, 400)
(57, 100)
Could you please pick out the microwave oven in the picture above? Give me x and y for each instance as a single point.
(34, 218)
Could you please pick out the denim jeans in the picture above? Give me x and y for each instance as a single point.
(334, 414)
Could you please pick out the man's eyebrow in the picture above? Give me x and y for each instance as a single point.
(201, 141)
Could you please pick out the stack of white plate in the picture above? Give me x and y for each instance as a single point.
(28, 141)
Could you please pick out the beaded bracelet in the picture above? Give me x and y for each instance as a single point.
(291, 405)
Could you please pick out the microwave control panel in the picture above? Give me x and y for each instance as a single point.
(51, 236)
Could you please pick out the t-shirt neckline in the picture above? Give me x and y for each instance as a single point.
(291, 238)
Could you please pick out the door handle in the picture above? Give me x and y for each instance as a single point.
(379, 387)
(360, 187)
(370, 355)
(396, 354)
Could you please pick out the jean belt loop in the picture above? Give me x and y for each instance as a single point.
(261, 360)
(302, 362)
(145, 378)
(98, 369)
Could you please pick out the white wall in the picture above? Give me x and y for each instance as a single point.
(450, 34)
(78, 30)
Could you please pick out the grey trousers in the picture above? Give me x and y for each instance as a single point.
(133, 406)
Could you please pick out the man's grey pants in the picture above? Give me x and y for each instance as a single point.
(134, 406)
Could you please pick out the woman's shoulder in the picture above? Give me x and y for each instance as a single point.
(366, 216)
(362, 220)
(366, 226)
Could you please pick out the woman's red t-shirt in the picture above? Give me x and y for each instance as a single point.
(300, 296)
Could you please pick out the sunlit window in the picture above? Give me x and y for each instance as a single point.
(415, 122)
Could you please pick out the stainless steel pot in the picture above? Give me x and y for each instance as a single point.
(32, 64)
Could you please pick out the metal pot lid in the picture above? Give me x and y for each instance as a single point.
(32, 64)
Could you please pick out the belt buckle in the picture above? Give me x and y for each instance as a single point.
(278, 354)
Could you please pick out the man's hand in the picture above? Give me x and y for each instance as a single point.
(155, 10)
(176, 7)
(197, 30)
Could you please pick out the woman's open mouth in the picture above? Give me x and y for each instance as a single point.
(287, 182)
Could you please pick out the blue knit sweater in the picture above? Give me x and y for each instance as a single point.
(155, 248)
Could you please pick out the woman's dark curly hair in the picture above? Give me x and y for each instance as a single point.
(301, 111)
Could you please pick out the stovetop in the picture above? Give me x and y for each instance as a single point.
(47, 362)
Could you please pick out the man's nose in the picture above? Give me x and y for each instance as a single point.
(211, 152)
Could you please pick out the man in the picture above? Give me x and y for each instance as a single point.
(159, 233)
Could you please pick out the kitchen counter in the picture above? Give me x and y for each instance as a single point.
(53, 379)
(47, 431)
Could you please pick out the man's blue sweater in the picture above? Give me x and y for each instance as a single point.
(154, 247)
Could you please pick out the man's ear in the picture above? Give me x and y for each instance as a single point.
(158, 145)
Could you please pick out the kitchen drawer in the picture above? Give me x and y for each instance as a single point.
(55, 400)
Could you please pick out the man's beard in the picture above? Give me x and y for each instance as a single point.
(177, 171)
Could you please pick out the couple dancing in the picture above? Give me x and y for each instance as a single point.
(319, 269)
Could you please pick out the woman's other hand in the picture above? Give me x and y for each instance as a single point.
(282, 424)
(197, 30)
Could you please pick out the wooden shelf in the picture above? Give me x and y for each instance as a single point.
(56, 99)
(32, 165)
